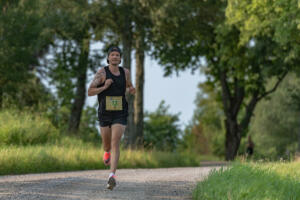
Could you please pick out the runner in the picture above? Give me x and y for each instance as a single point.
(110, 84)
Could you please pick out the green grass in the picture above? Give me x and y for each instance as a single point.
(72, 154)
(249, 181)
(24, 128)
(210, 158)
(29, 143)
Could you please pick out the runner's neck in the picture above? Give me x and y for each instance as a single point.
(114, 69)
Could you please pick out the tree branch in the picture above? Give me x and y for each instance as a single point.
(249, 111)
(255, 98)
(226, 96)
(239, 94)
(275, 86)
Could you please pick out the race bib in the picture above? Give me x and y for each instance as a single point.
(113, 103)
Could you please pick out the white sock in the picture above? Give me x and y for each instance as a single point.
(111, 174)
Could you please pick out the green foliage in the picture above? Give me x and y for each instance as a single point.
(205, 135)
(238, 71)
(23, 40)
(70, 52)
(31, 94)
(276, 19)
(71, 60)
(246, 181)
(180, 49)
(275, 127)
(88, 132)
(161, 129)
(24, 128)
(88, 126)
(71, 154)
(50, 158)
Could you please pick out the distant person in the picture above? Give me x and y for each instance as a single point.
(110, 84)
(250, 147)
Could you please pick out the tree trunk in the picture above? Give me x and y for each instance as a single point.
(298, 151)
(1, 97)
(79, 99)
(233, 138)
(231, 103)
(127, 48)
(233, 96)
(139, 97)
(236, 130)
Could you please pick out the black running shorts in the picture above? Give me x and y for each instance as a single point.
(113, 120)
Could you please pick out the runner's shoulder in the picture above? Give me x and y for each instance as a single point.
(101, 71)
(126, 70)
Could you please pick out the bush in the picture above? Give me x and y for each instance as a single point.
(25, 128)
(161, 129)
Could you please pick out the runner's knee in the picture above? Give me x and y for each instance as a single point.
(115, 143)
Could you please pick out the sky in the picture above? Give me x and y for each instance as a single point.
(179, 92)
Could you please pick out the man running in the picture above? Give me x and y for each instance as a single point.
(110, 84)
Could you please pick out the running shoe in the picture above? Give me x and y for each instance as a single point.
(111, 183)
(106, 158)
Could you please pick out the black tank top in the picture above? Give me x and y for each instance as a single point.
(117, 88)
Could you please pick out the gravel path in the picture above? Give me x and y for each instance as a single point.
(132, 184)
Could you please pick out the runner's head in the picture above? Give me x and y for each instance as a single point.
(114, 55)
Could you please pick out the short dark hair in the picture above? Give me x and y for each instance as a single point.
(111, 49)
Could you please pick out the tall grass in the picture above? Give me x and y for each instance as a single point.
(276, 181)
(72, 154)
(49, 158)
(31, 144)
(25, 129)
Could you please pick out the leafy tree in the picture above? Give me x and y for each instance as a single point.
(24, 39)
(162, 129)
(31, 94)
(142, 34)
(275, 125)
(88, 128)
(278, 20)
(72, 57)
(128, 22)
(116, 18)
(205, 133)
(239, 71)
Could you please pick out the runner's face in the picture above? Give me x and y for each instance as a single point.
(114, 58)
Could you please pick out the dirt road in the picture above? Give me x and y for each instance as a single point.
(132, 184)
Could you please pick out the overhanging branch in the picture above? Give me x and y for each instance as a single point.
(275, 86)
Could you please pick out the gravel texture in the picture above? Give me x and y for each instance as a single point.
(132, 184)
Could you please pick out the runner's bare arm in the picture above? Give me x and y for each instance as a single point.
(128, 82)
(98, 79)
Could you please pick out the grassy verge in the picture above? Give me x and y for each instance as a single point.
(210, 158)
(274, 181)
(23, 128)
(81, 156)
(29, 143)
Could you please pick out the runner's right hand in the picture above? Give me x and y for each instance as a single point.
(107, 83)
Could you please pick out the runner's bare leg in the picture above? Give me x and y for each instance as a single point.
(117, 132)
(106, 138)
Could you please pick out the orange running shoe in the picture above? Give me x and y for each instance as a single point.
(106, 158)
